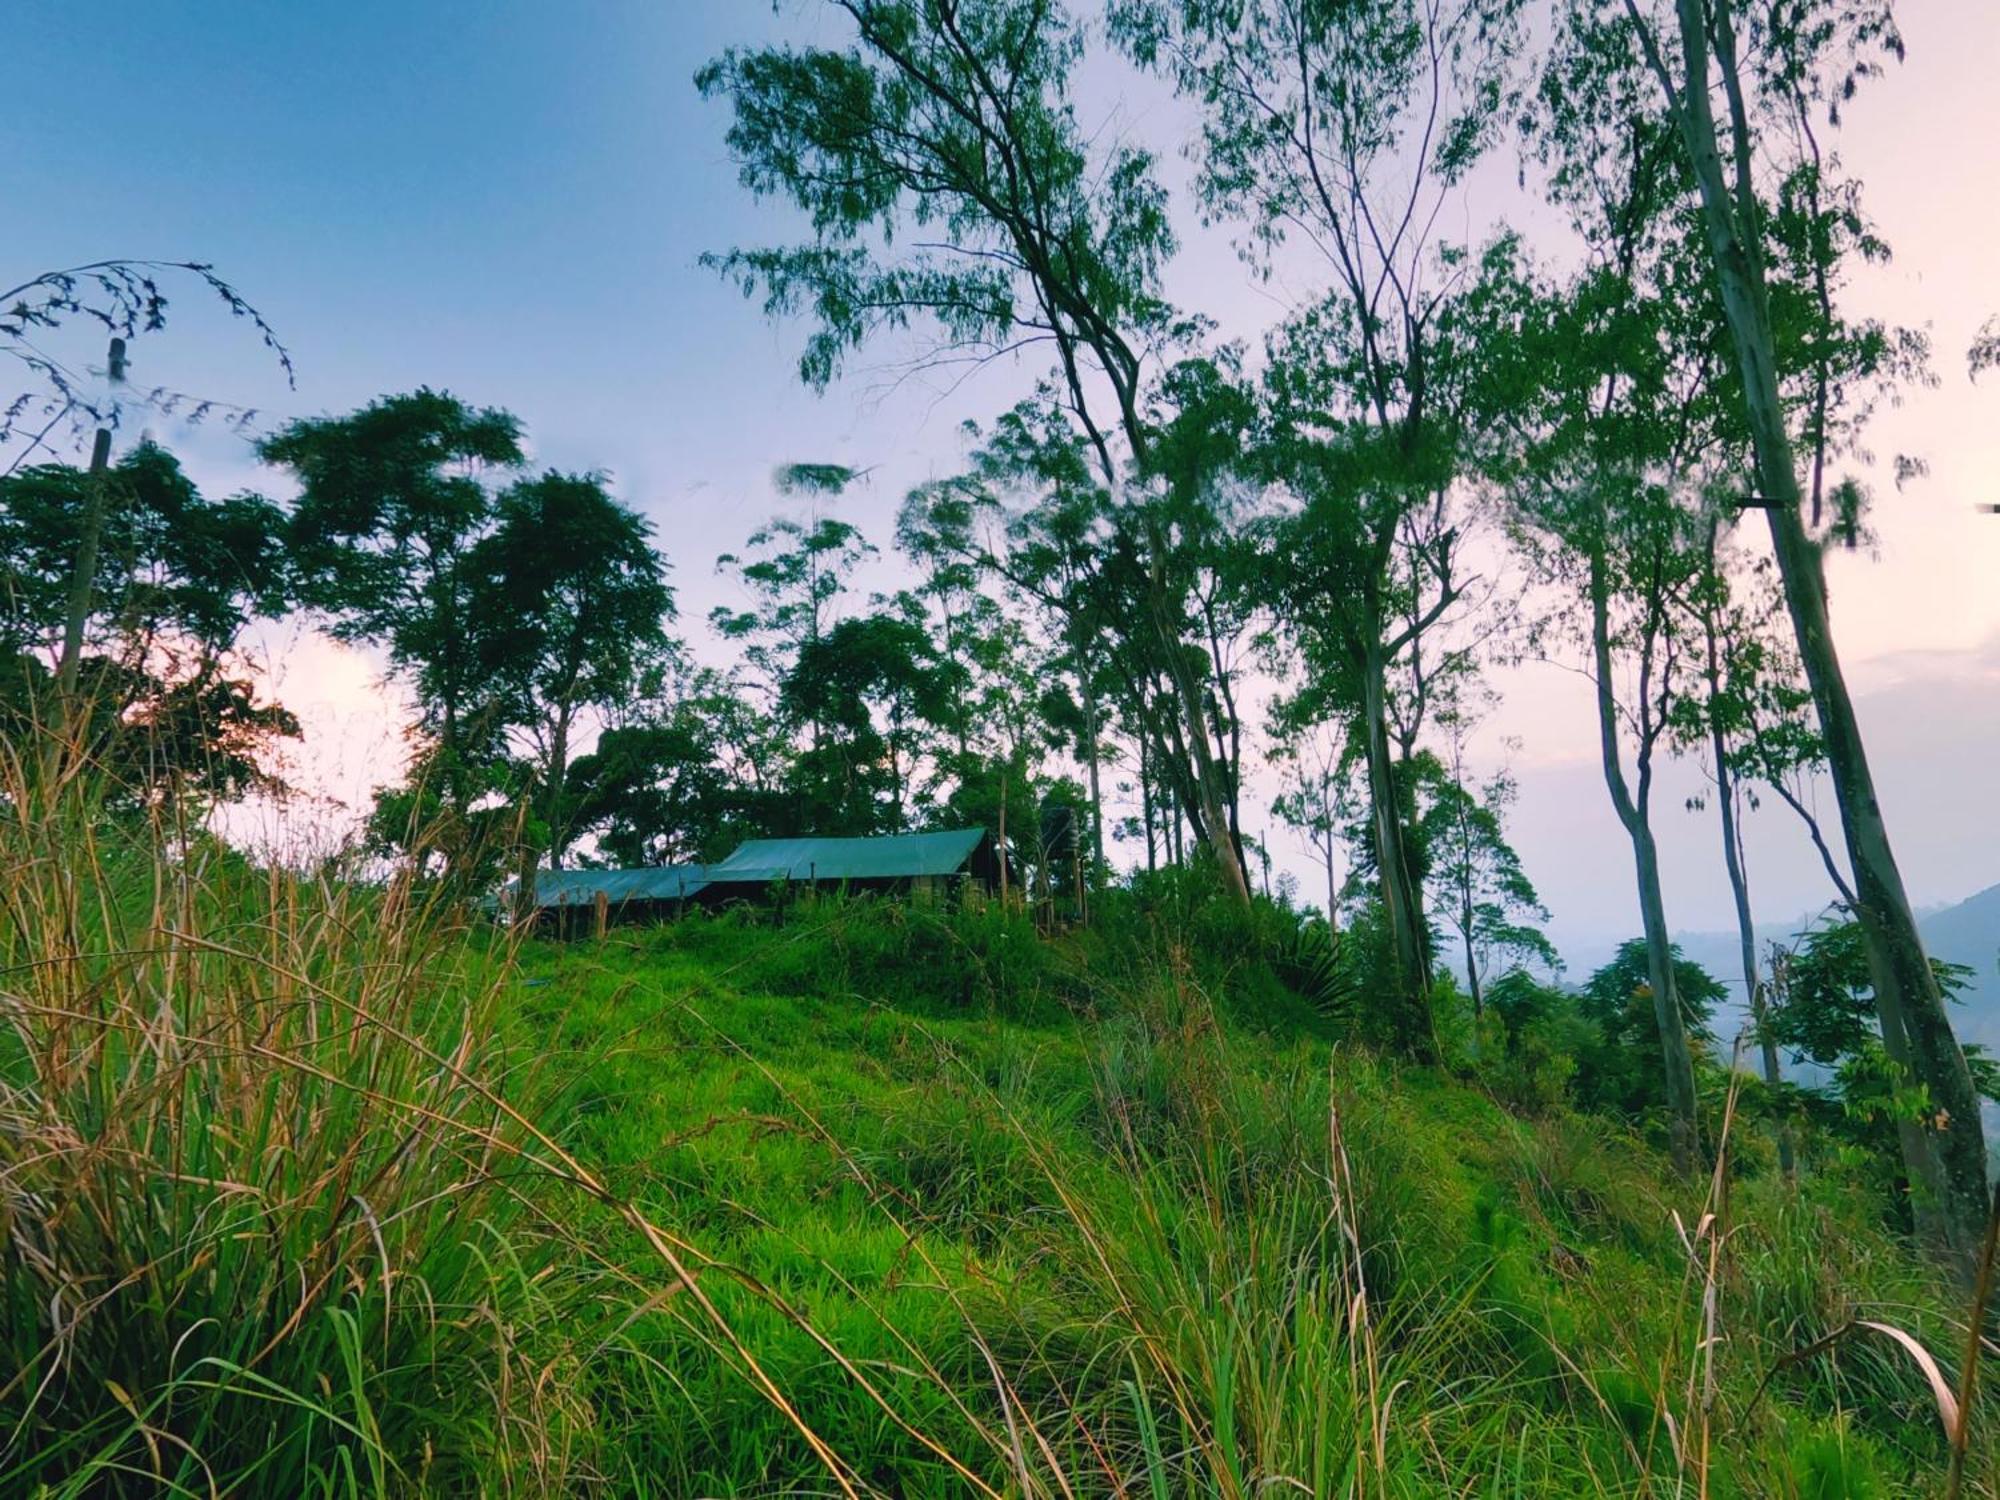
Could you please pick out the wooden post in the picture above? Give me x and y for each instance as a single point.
(602, 912)
(1045, 894)
(1003, 841)
(84, 580)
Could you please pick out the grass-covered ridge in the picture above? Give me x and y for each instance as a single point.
(311, 1187)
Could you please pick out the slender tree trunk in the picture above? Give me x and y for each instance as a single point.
(1471, 959)
(1146, 803)
(1946, 1162)
(1173, 760)
(1634, 816)
(896, 768)
(1666, 995)
(1401, 903)
(1228, 739)
(83, 581)
(554, 775)
(556, 787)
(1208, 791)
(463, 717)
(448, 743)
(1216, 831)
(1746, 933)
(1953, 1166)
(1468, 911)
(1739, 884)
(1228, 763)
(959, 718)
(1091, 757)
(1003, 840)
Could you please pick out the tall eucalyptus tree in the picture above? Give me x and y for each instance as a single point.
(1483, 891)
(950, 185)
(1032, 517)
(1779, 227)
(1346, 129)
(796, 569)
(1747, 720)
(1623, 546)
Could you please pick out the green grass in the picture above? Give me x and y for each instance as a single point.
(1117, 1251)
(309, 1188)
(256, 1231)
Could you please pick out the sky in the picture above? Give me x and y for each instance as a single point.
(509, 201)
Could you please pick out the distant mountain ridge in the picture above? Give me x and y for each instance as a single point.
(1967, 933)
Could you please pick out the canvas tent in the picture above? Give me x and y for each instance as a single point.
(913, 863)
(567, 896)
(901, 861)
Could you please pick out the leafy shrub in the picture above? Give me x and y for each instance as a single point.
(1315, 964)
(1542, 1033)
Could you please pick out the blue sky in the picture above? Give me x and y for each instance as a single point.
(509, 199)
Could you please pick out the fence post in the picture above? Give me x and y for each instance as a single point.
(1003, 841)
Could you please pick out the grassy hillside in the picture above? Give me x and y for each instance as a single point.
(1170, 1237)
(311, 1188)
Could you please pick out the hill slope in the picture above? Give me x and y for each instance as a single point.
(309, 1187)
(1080, 1217)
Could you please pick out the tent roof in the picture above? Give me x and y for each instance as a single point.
(890, 857)
(580, 887)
